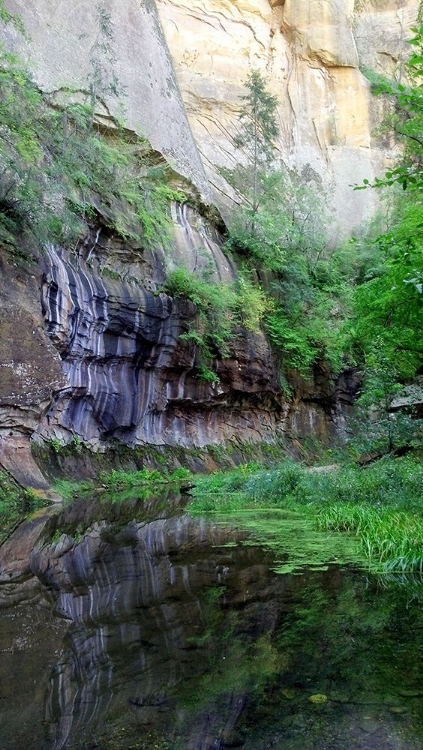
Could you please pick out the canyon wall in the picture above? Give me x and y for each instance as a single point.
(99, 357)
(183, 87)
(310, 53)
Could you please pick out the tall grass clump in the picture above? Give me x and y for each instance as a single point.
(390, 539)
(380, 504)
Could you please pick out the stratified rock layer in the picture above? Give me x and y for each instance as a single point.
(101, 358)
(129, 375)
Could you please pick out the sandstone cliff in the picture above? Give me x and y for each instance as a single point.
(96, 356)
(183, 86)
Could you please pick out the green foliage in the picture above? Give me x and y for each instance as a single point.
(299, 349)
(70, 489)
(381, 504)
(220, 309)
(281, 227)
(257, 132)
(10, 19)
(56, 444)
(391, 539)
(388, 307)
(59, 168)
(15, 504)
(252, 303)
(258, 127)
(310, 294)
(311, 302)
(379, 428)
(216, 319)
(386, 328)
(119, 479)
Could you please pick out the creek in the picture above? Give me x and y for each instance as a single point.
(130, 624)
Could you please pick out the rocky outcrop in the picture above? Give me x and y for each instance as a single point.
(129, 376)
(59, 48)
(100, 359)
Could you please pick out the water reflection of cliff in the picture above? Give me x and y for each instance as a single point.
(143, 599)
(178, 638)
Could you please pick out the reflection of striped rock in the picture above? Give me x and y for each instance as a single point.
(137, 597)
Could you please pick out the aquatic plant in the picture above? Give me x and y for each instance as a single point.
(380, 504)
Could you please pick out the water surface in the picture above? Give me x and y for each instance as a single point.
(133, 625)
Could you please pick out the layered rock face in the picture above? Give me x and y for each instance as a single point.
(129, 375)
(183, 87)
(100, 358)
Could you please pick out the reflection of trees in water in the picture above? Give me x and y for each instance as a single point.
(354, 649)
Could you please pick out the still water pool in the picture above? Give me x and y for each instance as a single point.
(133, 625)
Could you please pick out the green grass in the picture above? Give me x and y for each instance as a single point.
(391, 539)
(121, 481)
(380, 505)
(15, 505)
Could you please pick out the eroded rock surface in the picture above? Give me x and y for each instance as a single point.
(131, 377)
(99, 358)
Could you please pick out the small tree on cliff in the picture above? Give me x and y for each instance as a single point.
(279, 212)
(257, 130)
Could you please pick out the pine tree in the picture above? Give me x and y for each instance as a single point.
(258, 130)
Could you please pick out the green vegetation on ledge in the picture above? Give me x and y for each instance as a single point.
(60, 167)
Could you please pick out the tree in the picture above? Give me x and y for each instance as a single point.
(388, 306)
(280, 227)
(257, 130)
